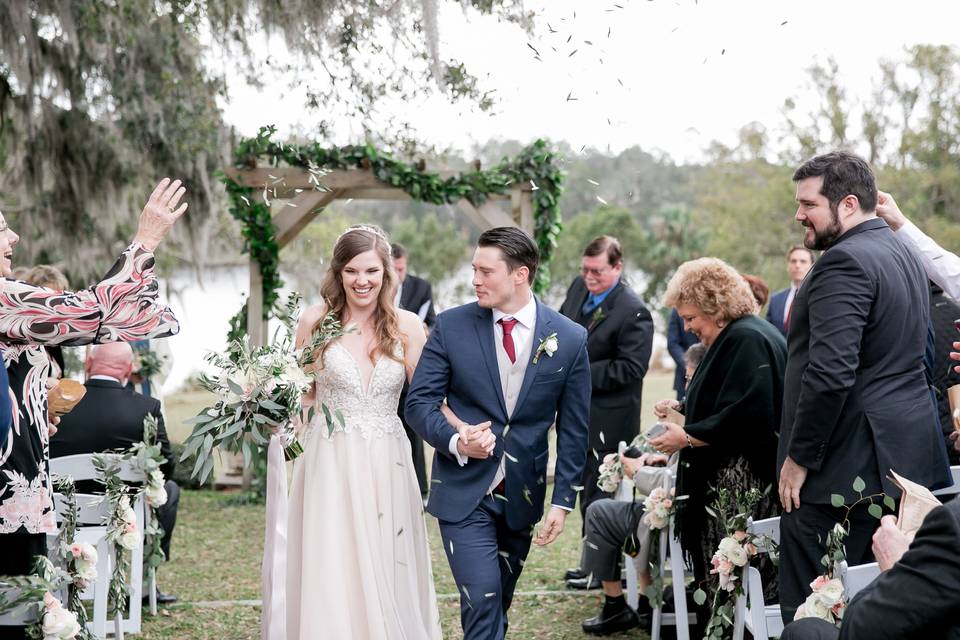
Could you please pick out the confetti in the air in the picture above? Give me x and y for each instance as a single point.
(602, 201)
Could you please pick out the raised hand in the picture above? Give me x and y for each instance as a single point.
(160, 212)
(888, 210)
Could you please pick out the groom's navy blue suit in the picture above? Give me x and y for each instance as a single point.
(487, 537)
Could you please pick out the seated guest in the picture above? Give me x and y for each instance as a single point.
(917, 595)
(609, 525)
(678, 341)
(109, 417)
(732, 408)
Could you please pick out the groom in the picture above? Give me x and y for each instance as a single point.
(508, 367)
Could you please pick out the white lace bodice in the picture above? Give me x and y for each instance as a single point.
(340, 387)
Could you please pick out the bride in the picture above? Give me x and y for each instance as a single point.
(358, 562)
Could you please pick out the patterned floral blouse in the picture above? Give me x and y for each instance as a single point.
(120, 308)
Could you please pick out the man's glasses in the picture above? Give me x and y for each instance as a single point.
(596, 273)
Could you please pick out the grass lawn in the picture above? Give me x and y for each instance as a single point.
(218, 544)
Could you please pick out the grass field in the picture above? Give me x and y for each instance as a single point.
(218, 544)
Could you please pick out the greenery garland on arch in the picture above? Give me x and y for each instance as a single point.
(535, 164)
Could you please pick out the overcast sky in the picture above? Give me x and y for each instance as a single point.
(691, 72)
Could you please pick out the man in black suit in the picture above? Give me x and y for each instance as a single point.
(678, 341)
(917, 595)
(415, 295)
(856, 402)
(799, 261)
(110, 416)
(619, 342)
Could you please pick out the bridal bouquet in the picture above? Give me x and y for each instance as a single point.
(259, 392)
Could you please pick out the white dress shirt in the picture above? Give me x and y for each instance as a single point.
(941, 266)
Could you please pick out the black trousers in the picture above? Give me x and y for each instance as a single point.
(16, 559)
(167, 515)
(803, 542)
(608, 524)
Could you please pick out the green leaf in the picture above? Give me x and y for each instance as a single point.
(875, 510)
(836, 500)
(891, 504)
(858, 484)
(700, 596)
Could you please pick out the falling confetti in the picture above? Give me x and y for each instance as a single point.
(570, 55)
(534, 48)
(783, 23)
(593, 182)
(602, 201)
(570, 97)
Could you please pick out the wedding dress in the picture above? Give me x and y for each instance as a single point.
(358, 564)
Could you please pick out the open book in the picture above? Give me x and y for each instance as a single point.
(915, 503)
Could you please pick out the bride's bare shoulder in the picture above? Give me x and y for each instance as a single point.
(409, 322)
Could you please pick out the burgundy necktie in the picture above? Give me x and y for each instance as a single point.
(508, 324)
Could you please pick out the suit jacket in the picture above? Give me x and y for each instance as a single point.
(619, 345)
(459, 364)
(777, 310)
(678, 341)
(856, 401)
(415, 293)
(110, 417)
(919, 596)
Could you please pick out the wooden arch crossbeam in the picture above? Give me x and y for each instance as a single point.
(297, 195)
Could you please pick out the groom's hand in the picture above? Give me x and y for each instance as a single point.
(552, 526)
(476, 440)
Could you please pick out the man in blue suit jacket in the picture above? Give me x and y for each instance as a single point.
(509, 367)
(799, 261)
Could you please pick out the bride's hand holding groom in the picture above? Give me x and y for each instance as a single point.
(476, 440)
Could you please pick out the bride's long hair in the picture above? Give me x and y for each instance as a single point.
(350, 244)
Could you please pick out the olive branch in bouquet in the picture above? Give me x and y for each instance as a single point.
(732, 557)
(78, 561)
(147, 457)
(121, 529)
(260, 391)
(827, 599)
(37, 589)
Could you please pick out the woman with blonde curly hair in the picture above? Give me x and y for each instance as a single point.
(358, 563)
(733, 402)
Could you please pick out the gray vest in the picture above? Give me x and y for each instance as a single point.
(511, 374)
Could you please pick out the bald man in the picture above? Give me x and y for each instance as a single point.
(111, 417)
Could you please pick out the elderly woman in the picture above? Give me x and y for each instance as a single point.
(733, 401)
(120, 308)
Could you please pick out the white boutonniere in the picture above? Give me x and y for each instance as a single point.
(548, 345)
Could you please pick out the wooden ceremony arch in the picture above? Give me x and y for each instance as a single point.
(297, 195)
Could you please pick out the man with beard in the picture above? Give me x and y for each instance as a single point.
(856, 403)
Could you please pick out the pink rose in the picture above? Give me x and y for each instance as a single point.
(740, 536)
(667, 503)
(130, 527)
(819, 583)
(75, 550)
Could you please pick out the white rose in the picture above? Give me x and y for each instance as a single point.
(728, 581)
(58, 623)
(129, 540)
(830, 593)
(814, 608)
(128, 516)
(86, 571)
(550, 346)
(734, 551)
(156, 494)
(654, 520)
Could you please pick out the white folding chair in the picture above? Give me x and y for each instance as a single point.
(92, 511)
(855, 579)
(80, 467)
(751, 612)
(952, 490)
(669, 548)
(22, 616)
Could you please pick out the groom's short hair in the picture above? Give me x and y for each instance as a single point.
(517, 247)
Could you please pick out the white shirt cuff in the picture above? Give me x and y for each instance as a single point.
(452, 447)
(560, 506)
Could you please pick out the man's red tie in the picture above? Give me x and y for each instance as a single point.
(508, 324)
(786, 319)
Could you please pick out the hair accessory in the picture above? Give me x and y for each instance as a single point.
(375, 230)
